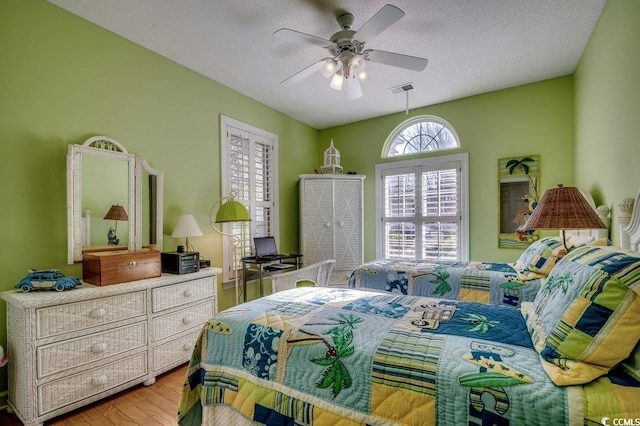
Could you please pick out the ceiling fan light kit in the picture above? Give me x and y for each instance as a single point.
(329, 67)
(346, 66)
(337, 81)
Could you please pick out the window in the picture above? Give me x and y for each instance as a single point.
(249, 171)
(422, 208)
(421, 134)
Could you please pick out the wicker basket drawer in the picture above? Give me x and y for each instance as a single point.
(174, 351)
(71, 389)
(194, 316)
(179, 294)
(74, 352)
(77, 316)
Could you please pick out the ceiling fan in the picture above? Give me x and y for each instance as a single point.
(347, 63)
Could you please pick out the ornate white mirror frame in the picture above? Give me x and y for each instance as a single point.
(105, 147)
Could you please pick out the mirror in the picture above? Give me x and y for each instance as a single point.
(518, 179)
(149, 201)
(100, 174)
(106, 185)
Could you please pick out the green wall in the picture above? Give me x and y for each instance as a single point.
(608, 108)
(532, 119)
(64, 80)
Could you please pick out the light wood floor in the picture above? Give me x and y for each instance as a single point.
(154, 405)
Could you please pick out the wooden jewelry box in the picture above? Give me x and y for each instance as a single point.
(114, 267)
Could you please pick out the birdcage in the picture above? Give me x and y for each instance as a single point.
(331, 160)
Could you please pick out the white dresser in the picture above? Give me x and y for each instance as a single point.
(331, 222)
(72, 348)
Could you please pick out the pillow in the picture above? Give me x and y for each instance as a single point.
(632, 364)
(584, 320)
(574, 241)
(538, 259)
(600, 242)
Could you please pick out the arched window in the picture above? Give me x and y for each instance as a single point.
(421, 134)
(422, 202)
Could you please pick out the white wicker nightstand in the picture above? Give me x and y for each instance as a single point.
(75, 347)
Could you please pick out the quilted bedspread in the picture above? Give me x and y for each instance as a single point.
(322, 356)
(494, 283)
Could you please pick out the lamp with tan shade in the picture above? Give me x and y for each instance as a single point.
(562, 208)
(116, 212)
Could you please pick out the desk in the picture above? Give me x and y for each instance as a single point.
(253, 267)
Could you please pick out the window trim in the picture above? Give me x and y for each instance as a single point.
(225, 123)
(463, 159)
(410, 122)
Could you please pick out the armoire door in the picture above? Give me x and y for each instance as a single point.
(347, 223)
(317, 221)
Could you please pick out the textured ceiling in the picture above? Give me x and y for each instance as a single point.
(473, 46)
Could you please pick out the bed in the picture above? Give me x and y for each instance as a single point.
(507, 284)
(326, 356)
(494, 283)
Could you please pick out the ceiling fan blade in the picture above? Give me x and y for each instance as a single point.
(413, 63)
(379, 22)
(303, 74)
(294, 35)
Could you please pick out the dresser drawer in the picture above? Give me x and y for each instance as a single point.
(74, 388)
(179, 294)
(77, 316)
(171, 352)
(194, 316)
(89, 349)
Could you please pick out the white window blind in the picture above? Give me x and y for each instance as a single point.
(422, 209)
(249, 159)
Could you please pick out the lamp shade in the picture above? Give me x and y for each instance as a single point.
(116, 212)
(232, 211)
(186, 226)
(564, 208)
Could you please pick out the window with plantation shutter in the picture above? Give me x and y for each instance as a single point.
(422, 209)
(249, 172)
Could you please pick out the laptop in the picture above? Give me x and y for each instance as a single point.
(265, 247)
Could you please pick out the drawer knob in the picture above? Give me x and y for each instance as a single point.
(187, 293)
(187, 320)
(187, 347)
(98, 348)
(98, 313)
(327, 225)
(99, 380)
(133, 264)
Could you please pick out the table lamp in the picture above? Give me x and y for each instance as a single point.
(116, 212)
(186, 227)
(562, 208)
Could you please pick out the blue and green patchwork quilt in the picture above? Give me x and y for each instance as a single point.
(322, 356)
(494, 283)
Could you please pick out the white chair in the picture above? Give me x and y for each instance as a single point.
(317, 274)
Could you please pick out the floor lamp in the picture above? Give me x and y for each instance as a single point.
(230, 210)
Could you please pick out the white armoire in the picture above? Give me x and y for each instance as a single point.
(331, 222)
